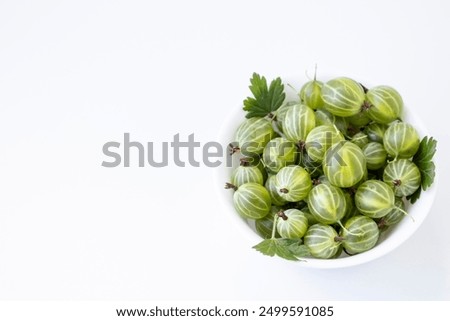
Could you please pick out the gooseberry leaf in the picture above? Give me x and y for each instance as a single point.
(427, 149)
(424, 161)
(265, 99)
(427, 170)
(299, 250)
(285, 248)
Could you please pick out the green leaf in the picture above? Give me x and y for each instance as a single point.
(299, 250)
(424, 161)
(427, 171)
(265, 99)
(285, 248)
(427, 149)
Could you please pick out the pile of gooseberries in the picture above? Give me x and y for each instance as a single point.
(332, 169)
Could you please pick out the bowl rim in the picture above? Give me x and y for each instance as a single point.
(397, 235)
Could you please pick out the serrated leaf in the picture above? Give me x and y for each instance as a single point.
(427, 171)
(276, 94)
(424, 161)
(427, 149)
(258, 85)
(285, 248)
(265, 99)
(299, 250)
(272, 247)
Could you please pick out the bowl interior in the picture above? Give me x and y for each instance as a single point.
(389, 240)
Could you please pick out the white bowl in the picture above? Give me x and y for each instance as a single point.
(388, 241)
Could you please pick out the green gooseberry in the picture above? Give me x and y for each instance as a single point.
(401, 140)
(322, 241)
(292, 224)
(384, 104)
(403, 176)
(344, 164)
(279, 153)
(293, 183)
(375, 155)
(343, 96)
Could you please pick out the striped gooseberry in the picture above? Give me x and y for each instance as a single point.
(403, 176)
(292, 224)
(324, 117)
(253, 135)
(360, 234)
(384, 104)
(322, 241)
(394, 216)
(320, 139)
(327, 203)
(298, 122)
(344, 164)
(310, 94)
(273, 192)
(246, 174)
(255, 161)
(375, 199)
(401, 140)
(281, 113)
(360, 139)
(251, 200)
(375, 132)
(375, 155)
(360, 119)
(343, 96)
(279, 153)
(293, 183)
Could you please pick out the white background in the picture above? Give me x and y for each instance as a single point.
(74, 75)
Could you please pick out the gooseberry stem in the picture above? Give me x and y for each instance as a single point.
(274, 228)
(245, 161)
(352, 190)
(382, 223)
(366, 105)
(364, 88)
(230, 186)
(301, 146)
(339, 238)
(282, 215)
(284, 190)
(233, 149)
